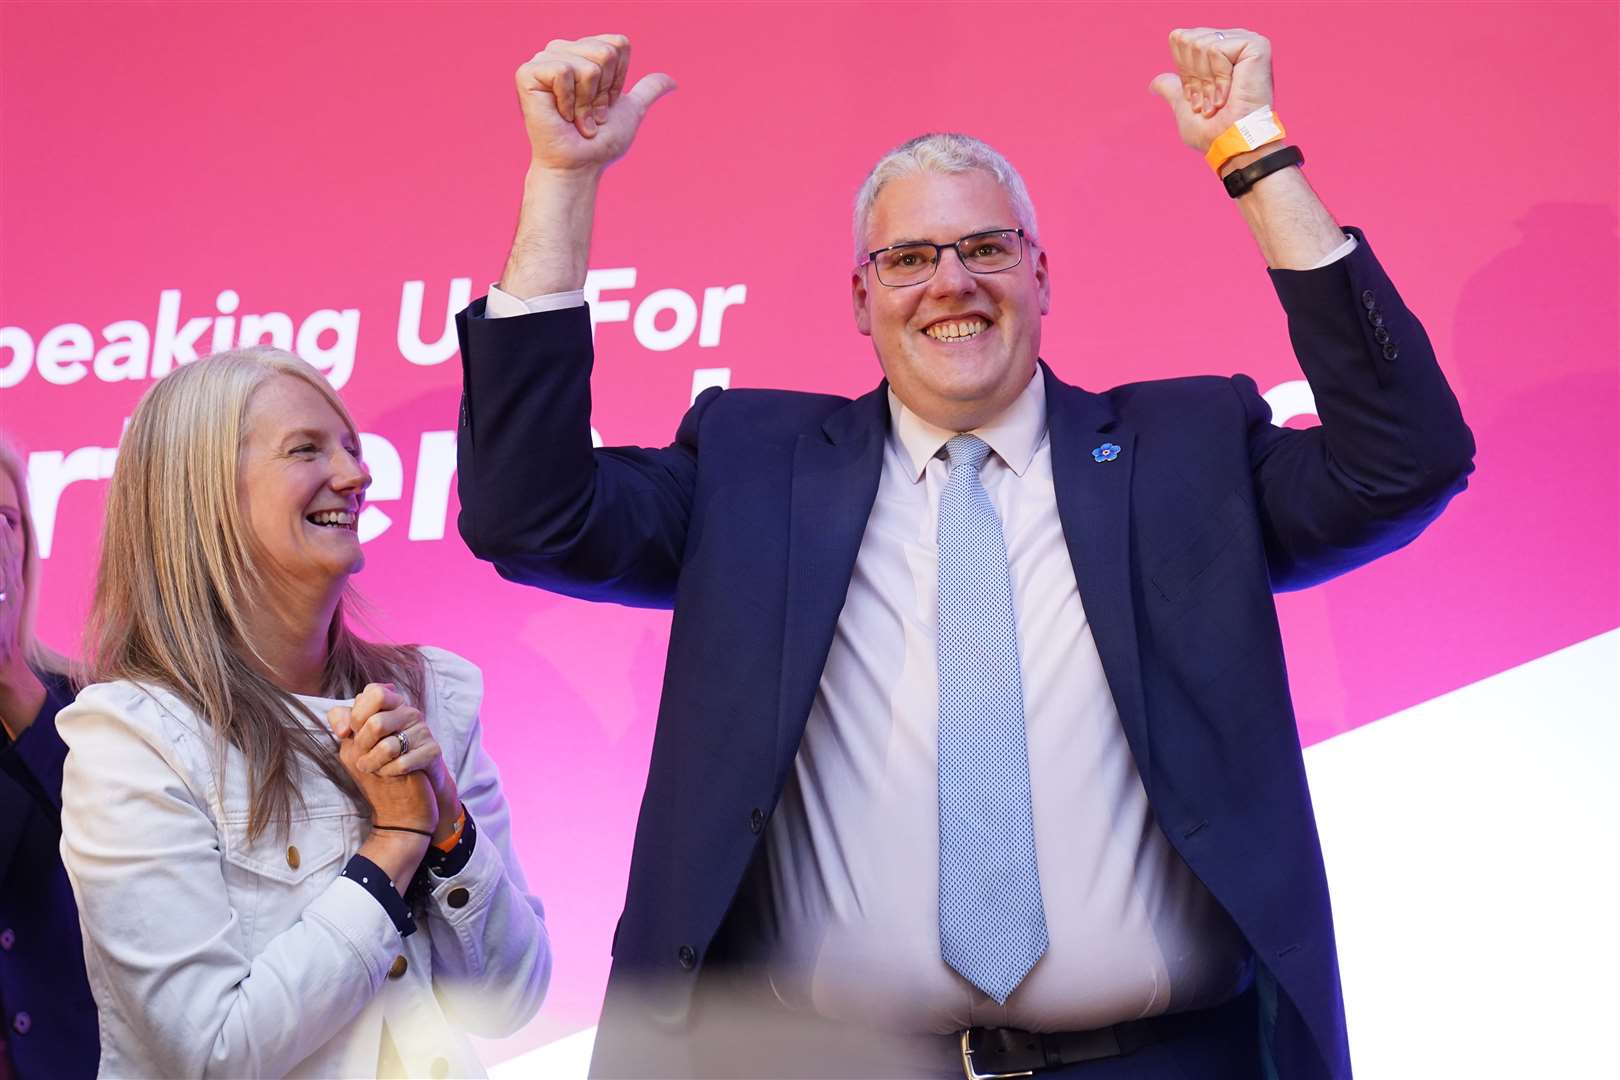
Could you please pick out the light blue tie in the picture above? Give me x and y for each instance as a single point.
(992, 924)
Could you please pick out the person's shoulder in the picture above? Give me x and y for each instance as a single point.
(1184, 403)
(144, 710)
(126, 696)
(776, 405)
(140, 702)
(761, 419)
(1152, 395)
(765, 397)
(454, 688)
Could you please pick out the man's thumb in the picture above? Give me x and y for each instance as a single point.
(650, 89)
(1167, 86)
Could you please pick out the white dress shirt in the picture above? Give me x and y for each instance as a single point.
(851, 917)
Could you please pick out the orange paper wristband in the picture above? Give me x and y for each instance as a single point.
(1249, 133)
(449, 843)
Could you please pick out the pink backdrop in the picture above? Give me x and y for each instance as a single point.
(319, 158)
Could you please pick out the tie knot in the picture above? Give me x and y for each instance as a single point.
(969, 450)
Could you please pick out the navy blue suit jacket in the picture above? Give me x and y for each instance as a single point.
(50, 1017)
(749, 525)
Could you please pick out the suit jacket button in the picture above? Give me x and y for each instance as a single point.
(1368, 300)
(457, 897)
(1381, 336)
(1376, 318)
(292, 857)
(756, 820)
(686, 956)
(397, 968)
(21, 1023)
(1391, 352)
(8, 938)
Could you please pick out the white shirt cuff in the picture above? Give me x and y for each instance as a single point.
(501, 305)
(1329, 259)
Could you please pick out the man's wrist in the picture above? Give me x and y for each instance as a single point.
(551, 250)
(1249, 157)
(547, 178)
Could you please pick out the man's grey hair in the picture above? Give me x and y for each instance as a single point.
(941, 153)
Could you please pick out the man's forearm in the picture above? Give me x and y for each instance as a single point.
(552, 247)
(1294, 229)
(579, 119)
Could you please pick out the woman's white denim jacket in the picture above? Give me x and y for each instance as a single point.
(213, 955)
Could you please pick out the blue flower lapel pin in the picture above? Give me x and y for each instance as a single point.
(1106, 452)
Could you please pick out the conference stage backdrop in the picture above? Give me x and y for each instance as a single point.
(341, 178)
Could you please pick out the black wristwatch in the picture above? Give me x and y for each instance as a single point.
(1239, 181)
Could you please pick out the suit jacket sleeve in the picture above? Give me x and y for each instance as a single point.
(536, 499)
(1392, 448)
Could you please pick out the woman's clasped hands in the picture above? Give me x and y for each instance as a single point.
(396, 762)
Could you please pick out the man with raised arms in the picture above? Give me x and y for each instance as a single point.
(975, 750)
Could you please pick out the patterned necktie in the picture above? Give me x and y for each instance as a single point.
(992, 924)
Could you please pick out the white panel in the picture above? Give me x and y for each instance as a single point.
(1471, 843)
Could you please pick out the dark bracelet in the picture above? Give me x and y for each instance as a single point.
(402, 828)
(1239, 181)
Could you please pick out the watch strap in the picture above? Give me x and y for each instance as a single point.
(1239, 181)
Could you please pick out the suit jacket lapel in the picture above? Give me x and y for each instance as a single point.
(835, 481)
(1094, 506)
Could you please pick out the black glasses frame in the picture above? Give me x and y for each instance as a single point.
(939, 254)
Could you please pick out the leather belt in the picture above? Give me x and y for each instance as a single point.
(1005, 1053)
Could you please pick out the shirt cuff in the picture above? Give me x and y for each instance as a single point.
(501, 304)
(437, 865)
(450, 863)
(1336, 254)
(370, 877)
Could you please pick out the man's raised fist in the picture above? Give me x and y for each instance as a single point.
(575, 108)
(1221, 76)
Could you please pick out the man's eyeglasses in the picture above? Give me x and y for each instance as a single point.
(983, 253)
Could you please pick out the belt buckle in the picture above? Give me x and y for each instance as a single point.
(973, 1074)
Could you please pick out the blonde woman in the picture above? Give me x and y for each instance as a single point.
(290, 852)
(50, 1019)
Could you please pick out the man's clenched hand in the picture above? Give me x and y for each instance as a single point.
(1221, 76)
(575, 108)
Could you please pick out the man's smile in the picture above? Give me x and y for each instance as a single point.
(961, 329)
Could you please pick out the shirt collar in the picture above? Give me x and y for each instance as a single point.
(1013, 436)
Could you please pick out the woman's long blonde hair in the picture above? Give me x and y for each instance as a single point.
(34, 652)
(179, 569)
